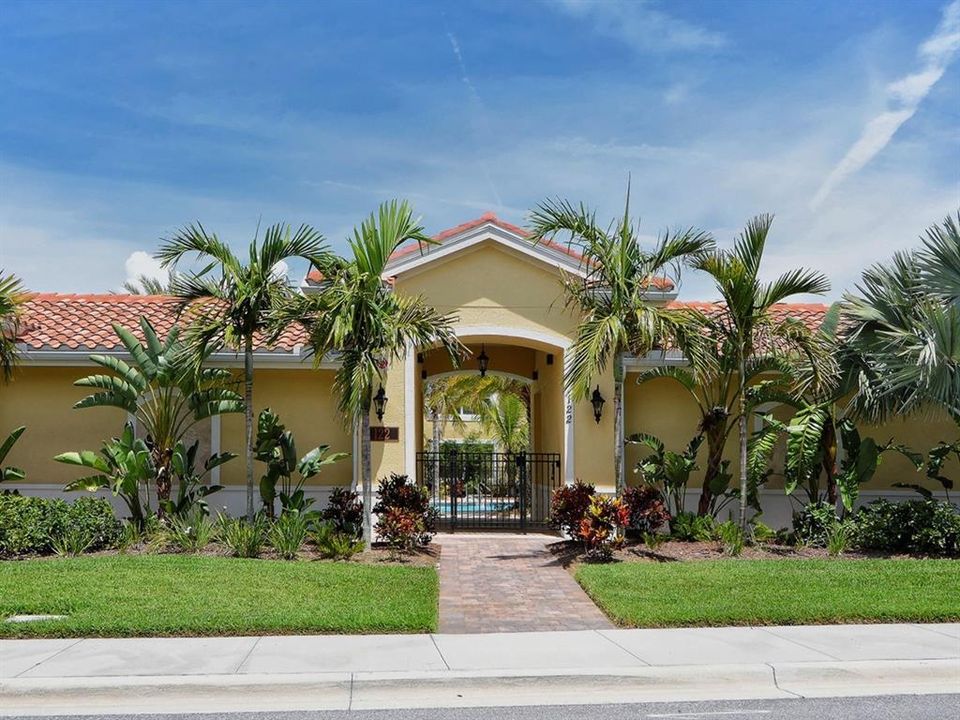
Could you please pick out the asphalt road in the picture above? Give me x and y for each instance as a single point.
(897, 707)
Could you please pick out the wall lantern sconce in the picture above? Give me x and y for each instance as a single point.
(379, 402)
(597, 401)
(483, 361)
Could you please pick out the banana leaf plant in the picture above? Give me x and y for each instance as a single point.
(164, 391)
(807, 455)
(668, 469)
(937, 457)
(10, 473)
(276, 446)
(192, 491)
(124, 467)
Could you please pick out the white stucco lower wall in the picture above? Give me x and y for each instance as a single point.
(232, 499)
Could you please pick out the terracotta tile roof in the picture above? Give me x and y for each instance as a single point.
(55, 321)
(810, 314)
(314, 276)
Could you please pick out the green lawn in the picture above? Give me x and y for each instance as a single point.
(770, 592)
(113, 596)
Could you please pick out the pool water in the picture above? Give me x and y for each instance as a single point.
(467, 507)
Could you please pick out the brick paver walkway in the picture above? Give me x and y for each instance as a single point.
(509, 583)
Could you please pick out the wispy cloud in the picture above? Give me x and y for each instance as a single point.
(903, 98)
(481, 110)
(642, 26)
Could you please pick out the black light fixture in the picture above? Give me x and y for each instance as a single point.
(483, 361)
(597, 401)
(379, 402)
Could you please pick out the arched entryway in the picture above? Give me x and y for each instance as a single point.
(476, 477)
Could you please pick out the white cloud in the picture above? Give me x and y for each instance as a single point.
(642, 26)
(142, 264)
(903, 98)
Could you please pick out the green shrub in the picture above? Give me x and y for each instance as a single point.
(94, 517)
(243, 539)
(32, 524)
(688, 527)
(839, 537)
(730, 534)
(928, 527)
(29, 524)
(653, 540)
(193, 531)
(811, 524)
(334, 544)
(761, 533)
(73, 541)
(287, 534)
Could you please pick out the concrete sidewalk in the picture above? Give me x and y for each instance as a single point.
(337, 672)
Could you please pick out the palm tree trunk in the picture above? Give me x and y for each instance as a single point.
(618, 421)
(437, 439)
(714, 433)
(366, 471)
(743, 443)
(248, 420)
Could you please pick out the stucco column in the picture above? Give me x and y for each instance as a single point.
(569, 435)
(410, 406)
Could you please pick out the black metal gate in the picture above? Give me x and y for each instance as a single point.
(489, 490)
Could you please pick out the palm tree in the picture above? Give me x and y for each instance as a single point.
(618, 314)
(905, 322)
(146, 285)
(504, 418)
(12, 299)
(359, 317)
(444, 398)
(745, 327)
(716, 391)
(237, 300)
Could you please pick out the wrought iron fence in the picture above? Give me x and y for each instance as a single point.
(490, 490)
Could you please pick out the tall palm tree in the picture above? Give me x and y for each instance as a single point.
(716, 391)
(617, 313)
(232, 303)
(745, 326)
(359, 317)
(12, 299)
(905, 322)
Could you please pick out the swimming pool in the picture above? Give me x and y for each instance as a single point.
(473, 507)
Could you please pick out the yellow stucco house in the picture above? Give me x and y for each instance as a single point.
(506, 293)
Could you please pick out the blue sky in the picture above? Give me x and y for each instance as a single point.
(121, 121)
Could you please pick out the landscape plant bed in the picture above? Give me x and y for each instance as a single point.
(792, 591)
(112, 595)
(676, 550)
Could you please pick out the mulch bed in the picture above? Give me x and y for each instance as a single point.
(571, 554)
